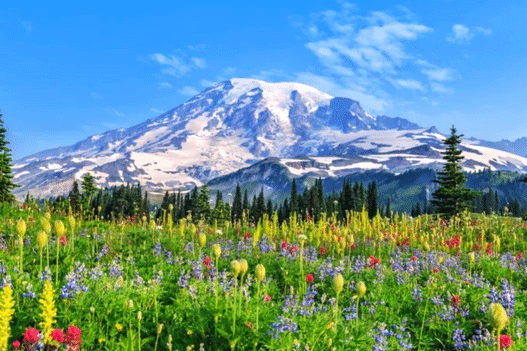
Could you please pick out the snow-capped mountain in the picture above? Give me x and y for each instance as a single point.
(237, 123)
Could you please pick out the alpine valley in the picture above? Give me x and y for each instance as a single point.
(264, 134)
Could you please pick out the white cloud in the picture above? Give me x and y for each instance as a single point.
(117, 113)
(411, 84)
(189, 91)
(155, 110)
(207, 83)
(345, 89)
(27, 25)
(462, 34)
(177, 66)
(440, 74)
(371, 55)
(164, 85)
(199, 62)
(228, 71)
(271, 75)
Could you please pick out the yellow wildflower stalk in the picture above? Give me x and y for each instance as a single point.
(49, 311)
(6, 314)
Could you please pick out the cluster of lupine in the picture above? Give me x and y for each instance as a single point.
(422, 283)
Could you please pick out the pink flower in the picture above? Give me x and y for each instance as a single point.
(436, 270)
(414, 258)
(455, 300)
(16, 344)
(309, 278)
(247, 235)
(207, 261)
(322, 250)
(57, 335)
(63, 240)
(505, 341)
(31, 335)
(74, 333)
(267, 298)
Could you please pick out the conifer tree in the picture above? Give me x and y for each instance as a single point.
(237, 206)
(452, 196)
(203, 209)
(75, 197)
(6, 176)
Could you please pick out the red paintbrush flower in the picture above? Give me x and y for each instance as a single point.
(309, 278)
(31, 335)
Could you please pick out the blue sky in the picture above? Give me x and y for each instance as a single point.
(69, 71)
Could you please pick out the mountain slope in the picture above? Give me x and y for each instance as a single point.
(237, 123)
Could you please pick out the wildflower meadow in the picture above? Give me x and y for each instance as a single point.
(401, 283)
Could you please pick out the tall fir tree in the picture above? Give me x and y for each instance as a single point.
(203, 209)
(6, 174)
(452, 196)
(372, 200)
(75, 198)
(237, 205)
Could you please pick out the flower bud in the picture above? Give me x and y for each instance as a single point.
(152, 224)
(235, 268)
(59, 228)
(202, 240)
(21, 227)
(42, 239)
(471, 257)
(46, 227)
(130, 304)
(338, 283)
(361, 289)
(71, 222)
(159, 328)
(244, 266)
(139, 316)
(260, 272)
(47, 215)
(216, 250)
(497, 317)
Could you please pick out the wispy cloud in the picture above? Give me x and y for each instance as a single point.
(462, 34)
(369, 56)
(164, 85)
(178, 65)
(27, 25)
(117, 113)
(155, 110)
(189, 91)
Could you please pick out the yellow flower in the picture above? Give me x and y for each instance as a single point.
(59, 228)
(497, 317)
(42, 239)
(202, 240)
(361, 289)
(189, 332)
(6, 313)
(235, 267)
(71, 221)
(216, 250)
(118, 327)
(46, 227)
(244, 266)
(260, 272)
(49, 311)
(101, 340)
(21, 227)
(338, 283)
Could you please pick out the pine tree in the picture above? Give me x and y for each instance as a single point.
(452, 196)
(294, 197)
(75, 197)
(372, 199)
(203, 208)
(237, 206)
(6, 176)
(88, 185)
